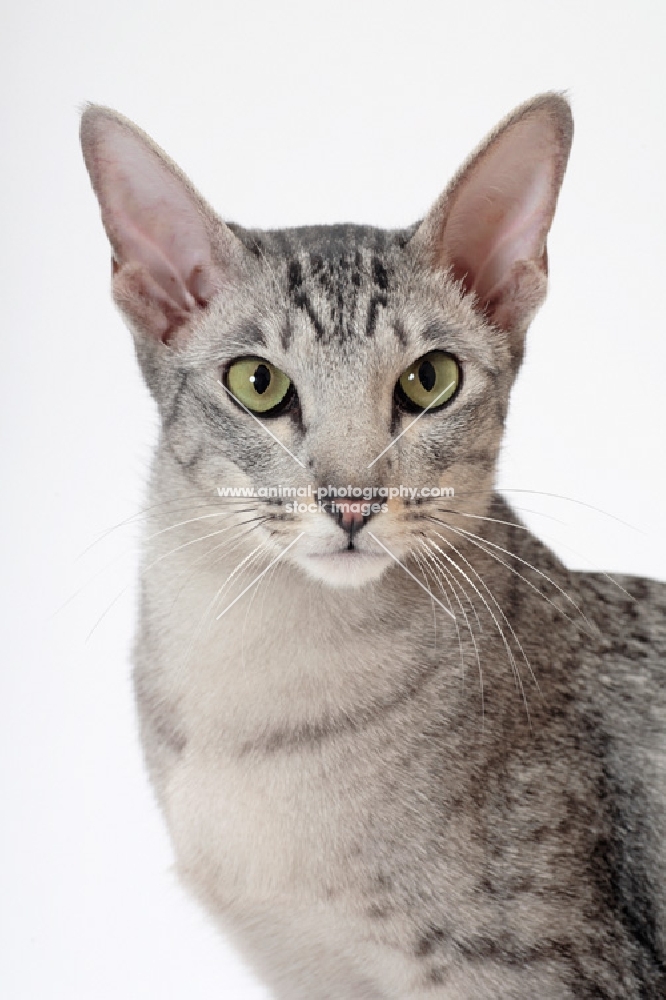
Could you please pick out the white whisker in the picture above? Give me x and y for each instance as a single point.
(432, 571)
(409, 573)
(432, 602)
(256, 580)
(499, 628)
(481, 543)
(219, 551)
(146, 569)
(211, 604)
(202, 501)
(455, 585)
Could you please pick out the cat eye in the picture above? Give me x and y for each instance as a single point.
(259, 385)
(430, 382)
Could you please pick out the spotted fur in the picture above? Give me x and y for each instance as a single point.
(439, 773)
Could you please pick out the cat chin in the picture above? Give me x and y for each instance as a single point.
(345, 569)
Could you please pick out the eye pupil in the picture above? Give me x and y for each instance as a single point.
(258, 385)
(261, 379)
(427, 375)
(431, 381)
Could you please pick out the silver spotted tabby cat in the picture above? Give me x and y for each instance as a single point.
(403, 753)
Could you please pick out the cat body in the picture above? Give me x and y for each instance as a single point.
(406, 754)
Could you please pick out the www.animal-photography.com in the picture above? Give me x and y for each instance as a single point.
(334, 613)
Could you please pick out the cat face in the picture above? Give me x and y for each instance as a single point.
(333, 360)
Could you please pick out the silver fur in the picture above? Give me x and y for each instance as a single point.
(377, 801)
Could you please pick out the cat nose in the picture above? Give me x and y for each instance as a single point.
(351, 515)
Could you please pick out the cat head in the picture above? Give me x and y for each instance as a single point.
(333, 357)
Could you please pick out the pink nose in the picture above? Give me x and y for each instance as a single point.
(351, 512)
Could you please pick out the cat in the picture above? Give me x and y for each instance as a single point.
(401, 750)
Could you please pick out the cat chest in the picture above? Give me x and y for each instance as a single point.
(259, 829)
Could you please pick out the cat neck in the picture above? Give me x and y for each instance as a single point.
(292, 656)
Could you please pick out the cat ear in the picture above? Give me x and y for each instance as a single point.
(169, 249)
(488, 230)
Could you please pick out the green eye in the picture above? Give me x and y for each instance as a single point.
(258, 384)
(430, 382)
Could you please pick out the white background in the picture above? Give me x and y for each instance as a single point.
(282, 113)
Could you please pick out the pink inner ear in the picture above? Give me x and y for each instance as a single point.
(151, 215)
(521, 236)
(138, 247)
(502, 206)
